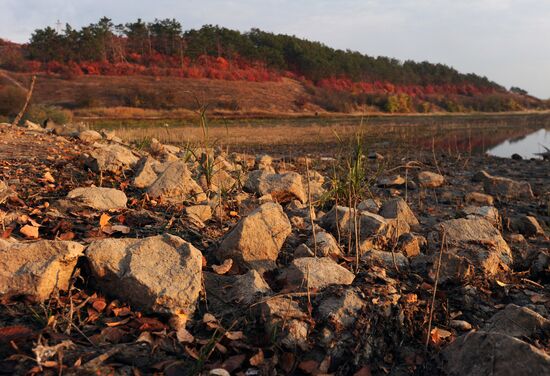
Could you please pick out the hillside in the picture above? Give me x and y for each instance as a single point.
(157, 65)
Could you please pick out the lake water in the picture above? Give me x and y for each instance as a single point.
(526, 146)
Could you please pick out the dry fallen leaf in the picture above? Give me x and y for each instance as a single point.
(116, 228)
(437, 334)
(223, 268)
(184, 336)
(234, 336)
(257, 359)
(49, 177)
(29, 231)
(365, 371)
(104, 220)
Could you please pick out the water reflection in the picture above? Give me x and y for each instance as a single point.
(527, 146)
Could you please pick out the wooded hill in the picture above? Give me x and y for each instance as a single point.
(335, 80)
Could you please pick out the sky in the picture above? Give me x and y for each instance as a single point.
(506, 40)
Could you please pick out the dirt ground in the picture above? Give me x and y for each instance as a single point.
(98, 334)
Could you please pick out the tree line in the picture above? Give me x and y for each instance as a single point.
(165, 42)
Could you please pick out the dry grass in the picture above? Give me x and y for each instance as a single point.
(241, 135)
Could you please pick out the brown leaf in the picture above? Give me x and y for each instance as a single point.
(184, 336)
(29, 231)
(365, 371)
(67, 236)
(99, 304)
(234, 336)
(223, 268)
(151, 324)
(118, 323)
(104, 220)
(257, 359)
(12, 333)
(233, 362)
(309, 366)
(287, 362)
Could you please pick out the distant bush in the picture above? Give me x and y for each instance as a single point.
(39, 113)
(333, 101)
(232, 105)
(145, 97)
(12, 100)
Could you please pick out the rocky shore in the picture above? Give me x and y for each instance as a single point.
(165, 260)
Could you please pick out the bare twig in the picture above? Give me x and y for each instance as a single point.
(27, 100)
(443, 242)
(311, 210)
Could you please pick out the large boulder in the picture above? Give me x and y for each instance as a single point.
(491, 353)
(98, 198)
(476, 241)
(111, 158)
(317, 273)
(160, 274)
(256, 240)
(504, 187)
(37, 269)
(282, 187)
(176, 184)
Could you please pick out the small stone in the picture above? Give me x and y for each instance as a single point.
(176, 185)
(394, 181)
(303, 251)
(283, 316)
(460, 325)
(386, 259)
(255, 242)
(505, 187)
(311, 272)
(479, 199)
(489, 213)
(248, 287)
(111, 158)
(411, 244)
(398, 209)
(89, 136)
(427, 179)
(282, 187)
(526, 225)
(325, 244)
(342, 310)
(370, 205)
(97, 198)
(201, 212)
(519, 322)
